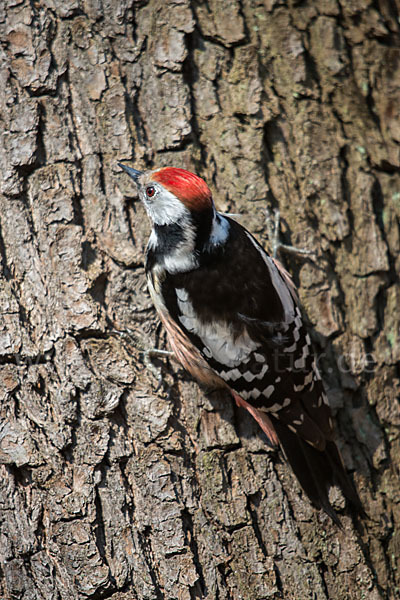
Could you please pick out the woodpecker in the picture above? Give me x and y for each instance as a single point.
(233, 320)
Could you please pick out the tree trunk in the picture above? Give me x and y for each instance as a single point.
(111, 487)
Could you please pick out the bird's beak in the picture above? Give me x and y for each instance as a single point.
(134, 173)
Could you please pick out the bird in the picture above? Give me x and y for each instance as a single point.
(233, 320)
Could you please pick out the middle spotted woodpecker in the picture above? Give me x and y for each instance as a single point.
(233, 320)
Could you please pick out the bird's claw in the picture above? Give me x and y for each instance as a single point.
(146, 353)
(273, 226)
(155, 371)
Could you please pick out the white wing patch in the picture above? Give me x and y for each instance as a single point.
(255, 393)
(232, 375)
(300, 363)
(298, 320)
(307, 380)
(317, 374)
(248, 376)
(235, 374)
(217, 336)
(181, 294)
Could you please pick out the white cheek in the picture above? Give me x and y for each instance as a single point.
(164, 208)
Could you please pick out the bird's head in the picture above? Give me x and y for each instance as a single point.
(186, 226)
(171, 195)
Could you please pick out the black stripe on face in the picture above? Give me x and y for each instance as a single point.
(169, 237)
(202, 221)
(189, 236)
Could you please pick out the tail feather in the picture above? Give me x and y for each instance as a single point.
(317, 470)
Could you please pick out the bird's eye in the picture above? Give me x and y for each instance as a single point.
(150, 191)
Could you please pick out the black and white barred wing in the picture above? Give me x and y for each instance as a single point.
(268, 364)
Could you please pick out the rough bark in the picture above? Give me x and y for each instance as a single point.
(110, 487)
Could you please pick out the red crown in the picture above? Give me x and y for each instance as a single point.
(188, 187)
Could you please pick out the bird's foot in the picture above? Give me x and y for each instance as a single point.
(273, 226)
(147, 353)
(148, 363)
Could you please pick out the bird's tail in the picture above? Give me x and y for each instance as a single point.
(318, 470)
